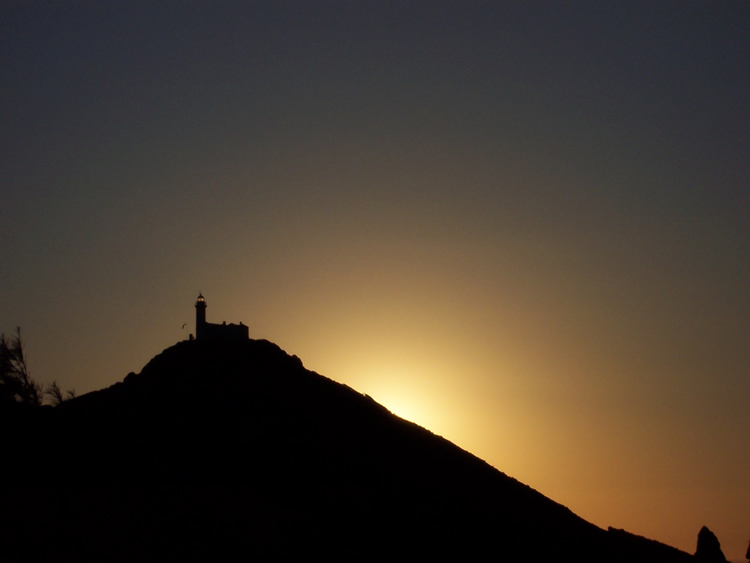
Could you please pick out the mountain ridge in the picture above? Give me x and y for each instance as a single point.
(235, 449)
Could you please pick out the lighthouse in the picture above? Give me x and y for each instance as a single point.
(200, 317)
(209, 331)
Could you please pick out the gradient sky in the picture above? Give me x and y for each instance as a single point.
(523, 225)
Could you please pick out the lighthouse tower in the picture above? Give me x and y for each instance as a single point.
(200, 317)
(210, 331)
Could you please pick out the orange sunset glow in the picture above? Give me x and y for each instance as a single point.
(522, 226)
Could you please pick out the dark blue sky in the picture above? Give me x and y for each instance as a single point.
(521, 224)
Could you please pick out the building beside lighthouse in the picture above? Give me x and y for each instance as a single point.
(210, 331)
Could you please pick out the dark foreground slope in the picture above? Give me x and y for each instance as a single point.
(224, 450)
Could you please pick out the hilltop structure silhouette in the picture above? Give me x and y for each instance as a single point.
(210, 331)
(227, 448)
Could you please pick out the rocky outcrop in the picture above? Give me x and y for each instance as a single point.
(709, 548)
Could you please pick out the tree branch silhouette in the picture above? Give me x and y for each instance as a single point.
(55, 394)
(16, 384)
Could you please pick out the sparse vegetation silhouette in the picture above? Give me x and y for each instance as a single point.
(16, 384)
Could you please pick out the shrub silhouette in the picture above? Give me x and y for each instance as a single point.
(16, 385)
(56, 395)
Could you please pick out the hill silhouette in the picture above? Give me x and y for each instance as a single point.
(218, 450)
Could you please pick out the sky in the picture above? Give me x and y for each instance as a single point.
(522, 225)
